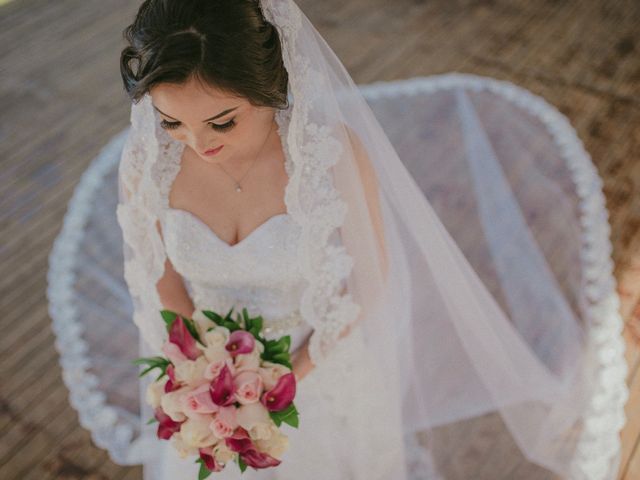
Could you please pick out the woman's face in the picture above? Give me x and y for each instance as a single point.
(218, 127)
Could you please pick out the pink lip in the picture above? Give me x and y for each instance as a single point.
(213, 151)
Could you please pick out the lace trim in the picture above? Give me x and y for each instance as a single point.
(109, 429)
(598, 449)
(143, 172)
(310, 196)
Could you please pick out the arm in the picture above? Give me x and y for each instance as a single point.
(301, 361)
(171, 289)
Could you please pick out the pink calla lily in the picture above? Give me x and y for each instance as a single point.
(167, 427)
(240, 341)
(241, 442)
(281, 395)
(180, 336)
(210, 461)
(256, 459)
(171, 384)
(222, 388)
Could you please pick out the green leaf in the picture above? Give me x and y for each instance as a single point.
(204, 471)
(255, 327)
(292, 418)
(278, 357)
(213, 316)
(281, 361)
(247, 319)
(191, 326)
(148, 360)
(152, 362)
(279, 346)
(144, 372)
(226, 322)
(242, 465)
(152, 420)
(168, 316)
(276, 418)
(289, 416)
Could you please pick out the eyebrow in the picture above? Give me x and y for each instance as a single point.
(221, 114)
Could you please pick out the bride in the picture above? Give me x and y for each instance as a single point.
(255, 175)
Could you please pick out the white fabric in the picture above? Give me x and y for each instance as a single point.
(433, 343)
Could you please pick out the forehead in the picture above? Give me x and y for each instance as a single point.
(193, 99)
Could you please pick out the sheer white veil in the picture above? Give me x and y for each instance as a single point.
(448, 345)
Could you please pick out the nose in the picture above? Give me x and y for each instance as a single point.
(203, 142)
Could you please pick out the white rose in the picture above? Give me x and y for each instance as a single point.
(196, 433)
(253, 415)
(155, 391)
(271, 372)
(223, 453)
(202, 322)
(191, 372)
(171, 404)
(261, 431)
(217, 337)
(275, 445)
(183, 449)
(215, 354)
(248, 361)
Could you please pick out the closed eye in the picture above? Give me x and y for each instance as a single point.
(173, 125)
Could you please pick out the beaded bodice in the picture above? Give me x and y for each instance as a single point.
(259, 272)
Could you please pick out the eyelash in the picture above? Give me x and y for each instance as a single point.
(220, 128)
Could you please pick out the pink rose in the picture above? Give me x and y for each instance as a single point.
(224, 422)
(199, 401)
(248, 387)
(214, 368)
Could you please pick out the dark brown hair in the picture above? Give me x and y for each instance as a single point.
(227, 44)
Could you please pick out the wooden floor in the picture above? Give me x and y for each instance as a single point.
(62, 99)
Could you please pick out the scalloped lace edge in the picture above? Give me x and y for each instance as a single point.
(95, 414)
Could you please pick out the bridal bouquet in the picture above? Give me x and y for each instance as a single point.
(223, 391)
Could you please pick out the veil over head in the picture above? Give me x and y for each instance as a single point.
(443, 271)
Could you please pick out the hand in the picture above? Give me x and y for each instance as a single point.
(301, 362)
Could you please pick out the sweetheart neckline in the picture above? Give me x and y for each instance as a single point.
(206, 227)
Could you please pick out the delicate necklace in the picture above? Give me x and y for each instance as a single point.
(237, 182)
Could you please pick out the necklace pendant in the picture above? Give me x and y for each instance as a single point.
(238, 189)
